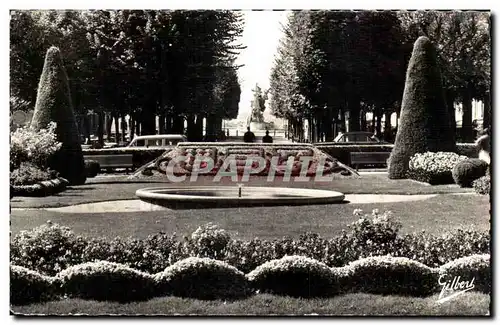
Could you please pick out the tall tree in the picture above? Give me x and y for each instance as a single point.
(425, 122)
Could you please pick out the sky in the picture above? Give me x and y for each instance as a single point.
(261, 36)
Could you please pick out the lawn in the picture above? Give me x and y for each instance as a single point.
(468, 304)
(441, 213)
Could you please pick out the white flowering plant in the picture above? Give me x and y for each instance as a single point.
(106, 281)
(375, 227)
(27, 145)
(202, 278)
(298, 276)
(482, 185)
(433, 167)
(47, 249)
(28, 173)
(208, 241)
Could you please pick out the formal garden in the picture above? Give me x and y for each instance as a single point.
(81, 243)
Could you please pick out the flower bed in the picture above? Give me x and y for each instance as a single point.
(434, 167)
(30, 180)
(188, 159)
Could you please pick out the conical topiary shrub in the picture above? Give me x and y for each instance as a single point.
(425, 123)
(53, 103)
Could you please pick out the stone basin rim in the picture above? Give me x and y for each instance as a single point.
(174, 193)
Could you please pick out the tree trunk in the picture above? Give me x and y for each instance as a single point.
(487, 111)
(191, 128)
(117, 128)
(100, 128)
(378, 126)
(354, 112)
(387, 126)
(148, 124)
(168, 123)
(132, 127)
(342, 121)
(467, 131)
(450, 102)
(211, 128)
(124, 129)
(138, 125)
(109, 121)
(178, 125)
(161, 124)
(363, 120)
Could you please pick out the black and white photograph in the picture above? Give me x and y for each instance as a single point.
(238, 162)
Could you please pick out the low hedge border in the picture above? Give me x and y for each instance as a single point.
(342, 151)
(291, 275)
(43, 188)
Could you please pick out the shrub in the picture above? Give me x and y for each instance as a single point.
(296, 276)
(433, 167)
(425, 120)
(92, 168)
(475, 267)
(202, 278)
(389, 275)
(376, 235)
(208, 241)
(482, 185)
(27, 286)
(42, 188)
(53, 103)
(467, 171)
(47, 249)
(435, 250)
(378, 228)
(27, 174)
(104, 280)
(33, 146)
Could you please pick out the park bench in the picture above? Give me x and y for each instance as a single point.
(368, 158)
(111, 161)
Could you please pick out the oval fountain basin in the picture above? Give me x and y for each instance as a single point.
(197, 197)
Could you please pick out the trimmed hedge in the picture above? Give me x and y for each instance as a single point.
(202, 278)
(50, 249)
(104, 280)
(92, 168)
(342, 151)
(475, 267)
(43, 188)
(27, 286)
(425, 123)
(296, 276)
(53, 103)
(467, 171)
(389, 275)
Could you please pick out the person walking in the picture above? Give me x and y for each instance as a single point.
(267, 138)
(248, 137)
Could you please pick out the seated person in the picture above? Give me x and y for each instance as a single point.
(267, 138)
(249, 136)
